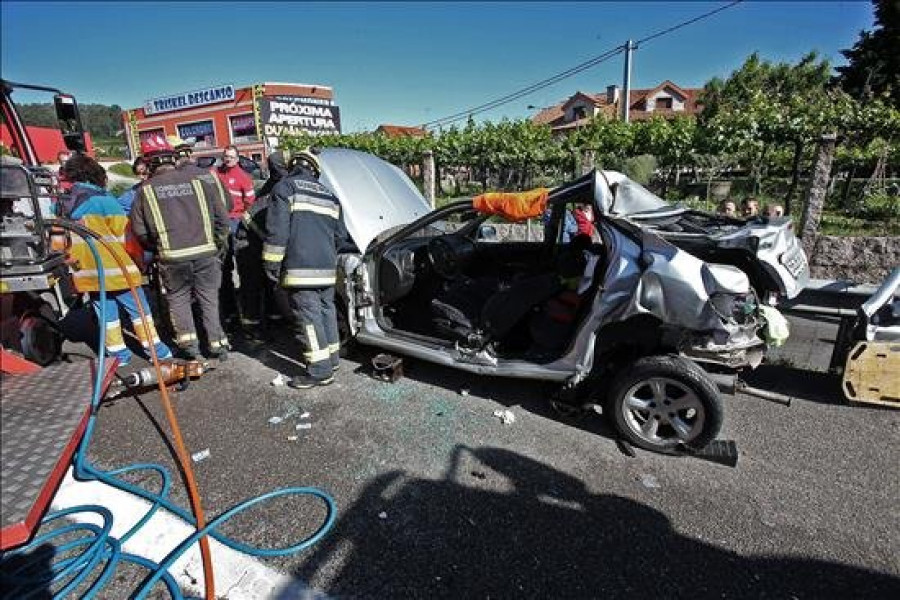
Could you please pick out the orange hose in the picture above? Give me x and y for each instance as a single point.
(180, 450)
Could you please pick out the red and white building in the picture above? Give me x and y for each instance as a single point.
(252, 118)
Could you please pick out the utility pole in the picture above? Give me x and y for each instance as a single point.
(630, 47)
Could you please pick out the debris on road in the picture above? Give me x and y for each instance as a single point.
(506, 416)
(382, 515)
(650, 482)
(299, 426)
(386, 367)
(279, 381)
(464, 392)
(275, 420)
(304, 416)
(202, 455)
(293, 438)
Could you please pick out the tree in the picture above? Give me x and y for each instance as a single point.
(100, 120)
(671, 141)
(874, 61)
(764, 107)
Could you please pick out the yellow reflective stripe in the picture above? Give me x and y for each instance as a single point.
(110, 272)
(288, 280)
(204, 209)
(222, 196)
(186, 252)
(138, 325)
(317, 355)
(153, 204)
(186, 337)
(314, 354)
(332, 348)
(218, 343)
(273, 253)
(315, 208)
(114, 339)
(311, 337)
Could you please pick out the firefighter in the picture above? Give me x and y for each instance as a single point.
(186, 164)
(93, 207)
(178, 215)
(304, 233)
(270, 301)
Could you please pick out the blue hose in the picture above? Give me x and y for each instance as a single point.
(106, 550)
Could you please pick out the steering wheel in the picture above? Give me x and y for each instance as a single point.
(448, 253)
(442, 257)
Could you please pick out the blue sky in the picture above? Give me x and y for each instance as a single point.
(401, 62)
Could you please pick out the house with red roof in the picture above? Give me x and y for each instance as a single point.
(666, 99)
(395, 131)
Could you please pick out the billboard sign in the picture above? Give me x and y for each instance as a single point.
(292, 115)
(221, 93)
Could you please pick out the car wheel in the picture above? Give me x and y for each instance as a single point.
(661, 403)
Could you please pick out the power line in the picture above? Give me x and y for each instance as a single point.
(529, 89)
(688, 22)
(465, 114)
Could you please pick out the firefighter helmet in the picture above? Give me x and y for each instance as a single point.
(306, 158)
(157, 150)
(156, 145)
(182, 148)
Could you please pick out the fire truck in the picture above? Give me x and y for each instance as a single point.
(36, 290)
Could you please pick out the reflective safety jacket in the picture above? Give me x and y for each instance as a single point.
(208, 175)
(98, 210)
(304, 231)
(180, 216)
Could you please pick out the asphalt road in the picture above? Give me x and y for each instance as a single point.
(439, 499)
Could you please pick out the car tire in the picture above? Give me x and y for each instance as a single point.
(664, 403)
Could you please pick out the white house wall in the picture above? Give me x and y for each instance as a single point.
(677, 101)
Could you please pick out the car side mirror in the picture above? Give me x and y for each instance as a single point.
(69, 122)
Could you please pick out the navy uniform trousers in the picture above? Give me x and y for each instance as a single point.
(317, 329)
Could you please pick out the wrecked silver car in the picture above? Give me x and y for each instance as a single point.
(765, 248)
(620, 318)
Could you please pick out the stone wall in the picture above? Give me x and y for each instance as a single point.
(858, 259)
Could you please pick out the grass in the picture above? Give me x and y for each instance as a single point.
(838, 224)
(122, 168)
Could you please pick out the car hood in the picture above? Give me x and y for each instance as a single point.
(375, 195)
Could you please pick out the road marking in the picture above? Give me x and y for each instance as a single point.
(237, 575)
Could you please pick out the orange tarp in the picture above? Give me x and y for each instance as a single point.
(513, 206)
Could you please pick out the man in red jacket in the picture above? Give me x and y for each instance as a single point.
(239, 186)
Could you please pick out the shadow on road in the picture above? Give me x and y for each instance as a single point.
(545, 536)
(29, 574)
(812, 386)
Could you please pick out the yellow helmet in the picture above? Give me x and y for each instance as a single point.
(181, 147)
